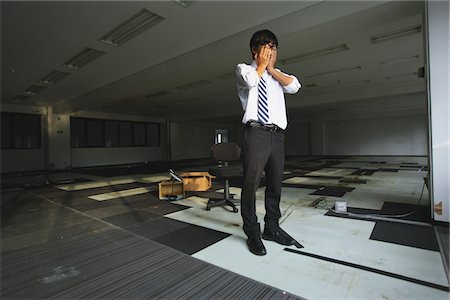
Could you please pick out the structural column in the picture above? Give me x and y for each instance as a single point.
(437, 21)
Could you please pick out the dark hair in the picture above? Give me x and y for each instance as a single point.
(262, 37)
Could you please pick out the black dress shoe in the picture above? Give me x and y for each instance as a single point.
(278, 235)
(256, 246)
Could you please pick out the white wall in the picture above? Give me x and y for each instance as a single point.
(401, 135)
(190, 140)
(297, 139)
(22, 160)
(317, 136)
(83, 157)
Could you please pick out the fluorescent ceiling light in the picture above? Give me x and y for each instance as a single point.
(334, 71)
(181, 2)
(54, 77)
(192, 85)
(34, 89)
(131, 27)
(315, 54)
(396, 33)
(83, 58)
(398, 60)
(21, 98)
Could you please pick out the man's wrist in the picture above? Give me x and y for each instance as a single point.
(260, 69)
(270, 69)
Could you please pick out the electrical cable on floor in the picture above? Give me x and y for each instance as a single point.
(390, 218)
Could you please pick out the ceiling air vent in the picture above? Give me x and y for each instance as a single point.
(315, 54)
(395, 34)
(192, 85)
(131, 27)
(54, 77)
(34, 89)
(83, 58)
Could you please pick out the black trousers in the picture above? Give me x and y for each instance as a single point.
(262, 150)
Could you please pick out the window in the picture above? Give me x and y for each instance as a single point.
(112, 134)
(77, 133)
(221, 136)
(95, 136)
(126, 134)
(21, 131)
(153, 134)
(86, 132)
(140, 137)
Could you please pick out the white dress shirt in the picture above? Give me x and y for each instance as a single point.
(247, 83)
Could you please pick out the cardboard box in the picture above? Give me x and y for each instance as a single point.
(196, 181)
(171, 190)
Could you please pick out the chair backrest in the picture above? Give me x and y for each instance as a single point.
(226, 152)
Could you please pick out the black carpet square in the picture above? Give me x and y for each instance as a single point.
(191, 238)
(335, 191)
(365, 172)
(302, 186)
(157, 227)
(419, 213)
(417, 236)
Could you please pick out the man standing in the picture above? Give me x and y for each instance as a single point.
(261, 90)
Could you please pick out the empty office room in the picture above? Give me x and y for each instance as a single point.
(129, 130)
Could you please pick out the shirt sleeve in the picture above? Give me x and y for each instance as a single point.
(247, 76)
(292, 87)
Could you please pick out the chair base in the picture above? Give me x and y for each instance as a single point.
(221, 202)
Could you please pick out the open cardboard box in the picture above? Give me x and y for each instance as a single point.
(171, 190)
(196, 181)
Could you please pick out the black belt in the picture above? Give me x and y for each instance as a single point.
(268, 127)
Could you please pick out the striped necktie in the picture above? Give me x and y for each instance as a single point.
(263, 106)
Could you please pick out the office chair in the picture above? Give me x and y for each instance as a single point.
(225, 153)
